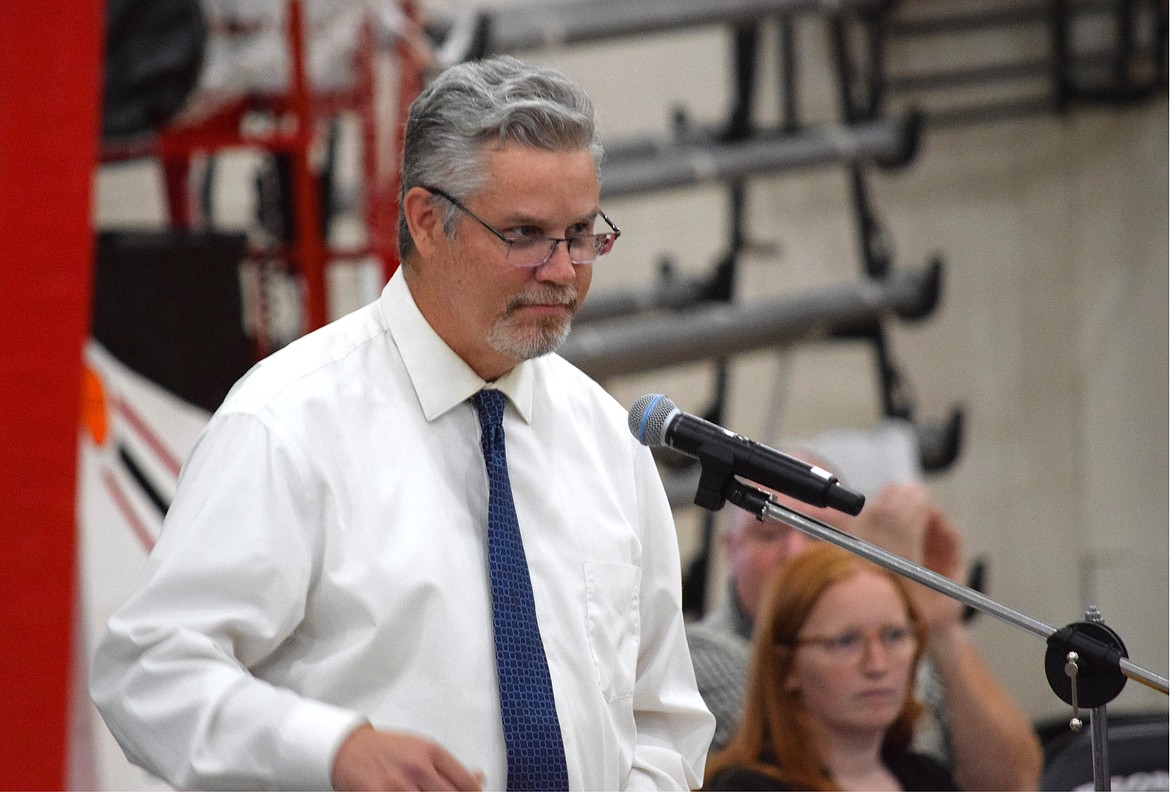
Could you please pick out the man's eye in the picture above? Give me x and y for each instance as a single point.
(525, 232)
(770, 535)
(529, 243)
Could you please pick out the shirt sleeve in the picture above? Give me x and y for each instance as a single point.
(674, 727)
(223, 588)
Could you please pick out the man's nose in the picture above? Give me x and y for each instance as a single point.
(559, 268)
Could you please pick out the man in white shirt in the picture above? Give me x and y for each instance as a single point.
(317, 611)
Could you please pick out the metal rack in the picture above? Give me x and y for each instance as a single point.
(880, 119)
(294, 126)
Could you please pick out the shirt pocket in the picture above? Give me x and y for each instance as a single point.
(613, 623)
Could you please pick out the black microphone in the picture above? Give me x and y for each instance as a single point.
(656, 421)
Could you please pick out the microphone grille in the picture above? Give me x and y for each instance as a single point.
(648, 418)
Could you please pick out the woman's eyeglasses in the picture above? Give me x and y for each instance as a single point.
(849, 645)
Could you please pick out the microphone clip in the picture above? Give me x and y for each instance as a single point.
(717, 471)
(718, 484)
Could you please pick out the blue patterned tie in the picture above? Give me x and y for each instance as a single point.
(532, 734)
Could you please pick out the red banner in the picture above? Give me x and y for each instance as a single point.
(50, 78)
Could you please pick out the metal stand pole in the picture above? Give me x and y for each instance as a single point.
(1091, 675)
(1099, 730)
(933, 580)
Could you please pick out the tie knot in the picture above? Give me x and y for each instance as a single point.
(490, 404)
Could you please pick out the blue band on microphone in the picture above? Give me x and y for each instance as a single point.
(646, 416)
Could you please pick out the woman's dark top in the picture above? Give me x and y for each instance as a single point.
(914, 772)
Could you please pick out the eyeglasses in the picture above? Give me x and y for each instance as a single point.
(532, 252)
(896, 639)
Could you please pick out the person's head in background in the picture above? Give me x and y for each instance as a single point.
(836, 649)
(756, 548)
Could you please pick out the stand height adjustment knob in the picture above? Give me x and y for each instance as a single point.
(1071, 668)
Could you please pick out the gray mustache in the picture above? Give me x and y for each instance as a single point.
(549, 295)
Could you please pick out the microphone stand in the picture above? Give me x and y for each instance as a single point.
(1086, 663)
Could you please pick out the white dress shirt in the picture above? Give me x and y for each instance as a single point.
(323, 565)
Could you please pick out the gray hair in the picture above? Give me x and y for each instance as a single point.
(473, 105)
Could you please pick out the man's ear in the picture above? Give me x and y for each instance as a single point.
(423, 218)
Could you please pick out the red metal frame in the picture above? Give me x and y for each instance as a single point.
(409, 86)
(309, 253)
(309, 241)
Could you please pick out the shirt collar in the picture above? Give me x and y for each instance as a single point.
(441, 379)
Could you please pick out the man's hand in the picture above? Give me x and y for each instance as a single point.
(896, 519)
(902, 519)
(371, 760)
(994, 744)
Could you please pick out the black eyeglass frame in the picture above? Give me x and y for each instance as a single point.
(615, 232)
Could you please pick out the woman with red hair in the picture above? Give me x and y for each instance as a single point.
(830, 701)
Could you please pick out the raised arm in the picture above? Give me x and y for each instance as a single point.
(994, 745)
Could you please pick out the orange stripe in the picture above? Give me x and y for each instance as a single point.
(95, 418)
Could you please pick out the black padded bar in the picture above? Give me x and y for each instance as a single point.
(529, 26)
(1007, 16)
(626, 346)
(884, 141)
(672, 294)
